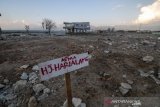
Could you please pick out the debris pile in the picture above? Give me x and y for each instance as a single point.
(126, 65)
(28, 81)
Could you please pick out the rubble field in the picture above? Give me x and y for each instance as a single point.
(126, 64)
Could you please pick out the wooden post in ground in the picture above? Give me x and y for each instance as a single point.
(68, 89)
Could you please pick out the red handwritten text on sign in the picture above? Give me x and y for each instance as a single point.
(62, 65)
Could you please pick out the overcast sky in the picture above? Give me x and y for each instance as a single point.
(17, 13)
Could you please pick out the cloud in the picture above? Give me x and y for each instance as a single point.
(149, 13)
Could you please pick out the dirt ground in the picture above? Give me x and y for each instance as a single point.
(118, 55)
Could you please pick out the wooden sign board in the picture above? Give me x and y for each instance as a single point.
(62, 65)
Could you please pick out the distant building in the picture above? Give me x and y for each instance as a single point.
(76, 27)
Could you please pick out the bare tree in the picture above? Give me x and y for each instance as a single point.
(27, 28)
(109, 29)
(48, 24)
(43, 25)
(113, 29)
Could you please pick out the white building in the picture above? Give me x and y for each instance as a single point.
(76, 27)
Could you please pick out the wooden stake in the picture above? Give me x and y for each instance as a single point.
(68, 89)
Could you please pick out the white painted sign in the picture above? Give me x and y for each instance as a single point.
(62, 65)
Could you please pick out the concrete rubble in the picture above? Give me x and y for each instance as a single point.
(150, 74)
(11, 105)
(35, 68)
(124, 76)
(5, 81)
(148, 59)
(155, 79)
(90, 46)
(83, 105)
(42, 97)
(130, 82)
(24, 76)
(24, 66)
(38, 88)
(108, 42)
(65, 104)
(77, 102)
(9, 97)
(33, 77)
(106, 75)
(19, 85)
(124, 88)
(143, 74)
(145, 42)
(126, 85)
(46, 91)
(32, 102)
(11, 92)
(106, 51)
